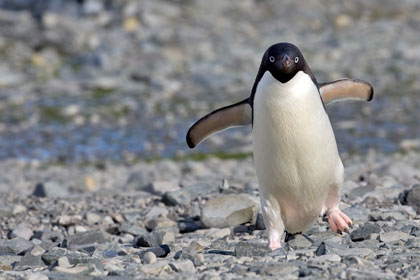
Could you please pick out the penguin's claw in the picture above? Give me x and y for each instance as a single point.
(338, 221)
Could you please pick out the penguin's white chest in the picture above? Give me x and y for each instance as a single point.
(295, 151)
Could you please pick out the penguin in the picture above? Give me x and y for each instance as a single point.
(296, 158)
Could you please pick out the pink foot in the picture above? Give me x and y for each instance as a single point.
(338, 221)
(274, 245)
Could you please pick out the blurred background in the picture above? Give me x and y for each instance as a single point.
(122, 80)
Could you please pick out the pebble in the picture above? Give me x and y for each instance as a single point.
(186, 194)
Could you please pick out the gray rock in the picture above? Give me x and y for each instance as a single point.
(23, 231)
(188, 226)
(386, 216)
(357, 212)
(228, 210)
(15, 246)
(299, 241)
(364, 232)
(82, 239)
(251, 249)
(353, 252)
(29, 261)
(52, 255)
(64, 262)
(161, 187)
(149, 258)
(393, 236)
(155, 238)
(50, 189)
(9, 260)
(186, 194)
(183, 266)
(413, 197)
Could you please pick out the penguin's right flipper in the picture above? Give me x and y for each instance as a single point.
(346, 89)
(233, 115)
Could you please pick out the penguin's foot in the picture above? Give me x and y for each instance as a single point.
(274, 245)
(338, 221)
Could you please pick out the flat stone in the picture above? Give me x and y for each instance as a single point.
(215, 232)
(15, 246)
(23, 231)
(228, 210)
(251, 249)
(393, 236)
(17, 209)
(47, 235)
(184, 195)
(36, 276)
(364, 232)
(183, 266)
(84, 238)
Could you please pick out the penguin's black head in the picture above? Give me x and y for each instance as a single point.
(284, 60)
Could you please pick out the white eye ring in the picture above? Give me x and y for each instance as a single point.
(296, 59)
(272, 59)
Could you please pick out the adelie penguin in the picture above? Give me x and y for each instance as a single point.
(299, 170)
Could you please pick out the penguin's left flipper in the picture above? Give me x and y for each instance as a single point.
(233, 115)
(346, 89)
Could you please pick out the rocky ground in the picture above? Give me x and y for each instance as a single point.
(97, 181)
(189, 220)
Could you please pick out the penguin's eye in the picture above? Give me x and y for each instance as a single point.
(272, 59)
(296, 59)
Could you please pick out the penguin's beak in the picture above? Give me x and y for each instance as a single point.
(286, 61)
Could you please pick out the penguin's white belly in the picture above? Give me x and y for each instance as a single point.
(295, 151)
